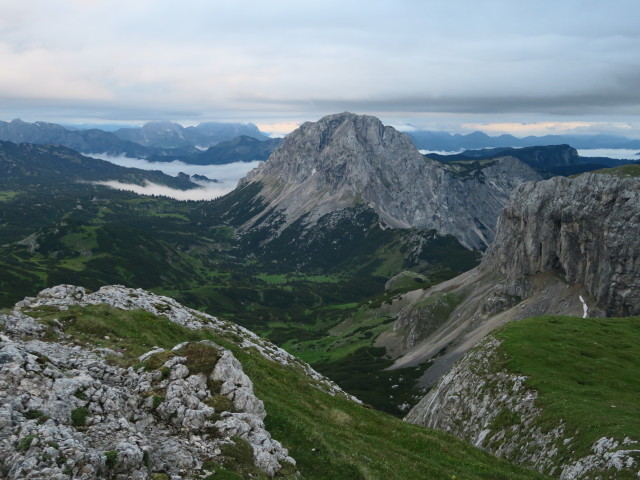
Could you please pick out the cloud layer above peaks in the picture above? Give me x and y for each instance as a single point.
(203, 59)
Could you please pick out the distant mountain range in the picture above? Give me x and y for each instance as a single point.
(85, 141)
(443, 141)
(29, 164)
(551, 159)
(174, 135)
(156, 141)
(219, 142)
(239, 149)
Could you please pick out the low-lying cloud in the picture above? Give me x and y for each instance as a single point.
(227, 177)
(208, 192)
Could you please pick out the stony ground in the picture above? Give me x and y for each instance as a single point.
(69, 411)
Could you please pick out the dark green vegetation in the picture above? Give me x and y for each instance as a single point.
(294, 289)
(330, 437)
(79, 416)
(111, 458)
(25, 442)
(361, 374)
(587, 373)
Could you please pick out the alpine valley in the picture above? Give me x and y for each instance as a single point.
(354, 309)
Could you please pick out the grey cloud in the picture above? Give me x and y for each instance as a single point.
(215, 60)
(620, 102)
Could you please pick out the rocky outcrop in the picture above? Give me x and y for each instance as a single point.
(565, 246)
(69, 411)
(347, 159)
(587, 229)
(482, 402)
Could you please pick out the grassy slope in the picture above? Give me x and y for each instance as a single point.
(632, 170)
(330, 437)
(587, 372)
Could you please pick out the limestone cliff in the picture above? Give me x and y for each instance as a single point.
(587, 229)
(565, 246)
(347, 159)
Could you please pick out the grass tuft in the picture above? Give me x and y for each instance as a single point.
(79, 416)
(25, 442)
(111, 458)
(201, 358)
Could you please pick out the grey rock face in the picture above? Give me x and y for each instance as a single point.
(345, 159)
(563, 247)
(418, 320)
(65, 412)
(587, 229)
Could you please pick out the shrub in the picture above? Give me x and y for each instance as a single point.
(34, 414)
(25, 443)
(79, 416)
(157, 400)
(111, 458)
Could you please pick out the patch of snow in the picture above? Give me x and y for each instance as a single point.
(585, 308)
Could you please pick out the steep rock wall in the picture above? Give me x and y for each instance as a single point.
(565, 246)
(587, 229)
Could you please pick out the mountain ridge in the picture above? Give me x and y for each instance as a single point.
(27, 163)
(344, 159)
(173, 135)
(156, 141)
(443, 141)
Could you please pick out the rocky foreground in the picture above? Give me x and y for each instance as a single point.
(68, 410)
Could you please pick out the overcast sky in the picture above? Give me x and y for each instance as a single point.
(456, 65)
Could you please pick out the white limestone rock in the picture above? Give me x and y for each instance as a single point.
(67, 413)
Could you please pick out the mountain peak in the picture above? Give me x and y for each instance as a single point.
(343, 141)
(347, 159)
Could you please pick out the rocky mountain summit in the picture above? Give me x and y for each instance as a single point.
(346, 159)
(73, 409)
